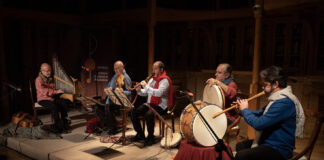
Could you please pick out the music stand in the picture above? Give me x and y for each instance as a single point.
(119, 98)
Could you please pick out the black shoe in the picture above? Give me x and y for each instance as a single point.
(112, 131)
(149, 141)
(66, 126)
(138, 137)
(65, 131)
(69, 121)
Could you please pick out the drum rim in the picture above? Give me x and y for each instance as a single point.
(163, 140)
(192, 127)
(221, 92)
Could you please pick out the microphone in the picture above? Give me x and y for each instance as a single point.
(85, 68)
(14, 87)
(186, 93)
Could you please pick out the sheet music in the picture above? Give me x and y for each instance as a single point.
(112, 97)
(121, 96)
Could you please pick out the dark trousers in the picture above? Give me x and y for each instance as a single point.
(229, 122)
(57, 106)
(245, 152)
(143, 110)
(107, 115)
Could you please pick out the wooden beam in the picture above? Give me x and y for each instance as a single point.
(280, 4)
(135, 15)
(151, 36)
(40, 16)
(138, 15)
(256, 58)
(165, 15)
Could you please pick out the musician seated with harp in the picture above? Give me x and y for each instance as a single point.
(48, 97)
(159, 96)
(121, 81)
(276, 124)
(225, 80)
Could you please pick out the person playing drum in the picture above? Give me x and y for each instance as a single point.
(225, 80)
(159, 96)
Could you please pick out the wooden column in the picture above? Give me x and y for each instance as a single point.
(256, 58)
(151, 30)
(4, 103)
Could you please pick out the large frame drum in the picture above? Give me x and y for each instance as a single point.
(194, 130)
(214, 95)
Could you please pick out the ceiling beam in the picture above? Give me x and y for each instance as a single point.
(164, 14)
(136, 15)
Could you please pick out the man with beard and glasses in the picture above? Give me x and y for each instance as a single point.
(277, 124)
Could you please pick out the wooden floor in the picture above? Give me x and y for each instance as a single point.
(318, 153)
(7, 153)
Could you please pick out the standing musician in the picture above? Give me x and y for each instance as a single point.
(121, 81)
(48, 97)
(277, 123)
(159, 96)
(227, 83)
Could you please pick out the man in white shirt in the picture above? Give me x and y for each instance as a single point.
(159, 96)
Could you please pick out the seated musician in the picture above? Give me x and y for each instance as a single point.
(48, 97)
(122, 81)
(227, 83)
(277, 123)
(159, 96)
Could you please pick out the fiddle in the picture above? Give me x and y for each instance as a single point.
(119, 81)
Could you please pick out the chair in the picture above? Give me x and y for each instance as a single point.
(307, 151)
(234, 127)
(170, 115)
(35, 105)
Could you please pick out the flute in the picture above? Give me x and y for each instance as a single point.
(234, 106)
(138, 84)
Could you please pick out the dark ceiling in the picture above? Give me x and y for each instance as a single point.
(97, 6)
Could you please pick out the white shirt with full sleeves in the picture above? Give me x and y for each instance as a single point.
(162, 91)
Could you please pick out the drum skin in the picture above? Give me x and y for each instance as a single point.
(171, 141)
(194, 130)
(214, 95)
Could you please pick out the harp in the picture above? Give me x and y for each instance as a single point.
(64, 82)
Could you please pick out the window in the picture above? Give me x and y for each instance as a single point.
(320, 53)
(248, 45)
(280, 44)
(295, 45)
(219, 44)
(231, 44)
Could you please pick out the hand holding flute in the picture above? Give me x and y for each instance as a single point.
(140, 85)
(242, 104)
